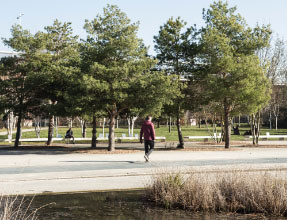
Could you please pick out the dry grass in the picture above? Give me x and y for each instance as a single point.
(14, 208)
(232, 192)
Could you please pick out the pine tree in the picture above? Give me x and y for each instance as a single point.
(116, 61)
(17, 81)
(233, 75)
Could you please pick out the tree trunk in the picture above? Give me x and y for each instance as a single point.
(10, 124)
(104, 123)
(117, 123)
(227, 128)
(133, 124)
(18, 133)
(276, 122)
(169, 125)
(255, 128)
(239, 120)
(83, 126)
(37, 122)
(276, 114)
(84, 133)
(56, 125)
(180, 139)
(50, 130)
(213, 123)
(70, 122)
(199, 123)
(22, 125)
(222, 129)
(94, 132)
(270, 120)
(129, 125)
(158, 124)
(112, 143)
(258, 115)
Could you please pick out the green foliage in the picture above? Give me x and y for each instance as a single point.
(59, 62)
(233, 72)
(169, 46)
(116, 64)
(176, 50)
(111, 73)
(17, 73)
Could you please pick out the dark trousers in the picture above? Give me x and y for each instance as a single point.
(68, 137)
(148, 146)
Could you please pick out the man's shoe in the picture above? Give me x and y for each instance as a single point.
(146, 158)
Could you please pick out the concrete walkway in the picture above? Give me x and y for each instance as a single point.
(31, 172)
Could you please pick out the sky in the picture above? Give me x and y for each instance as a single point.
(150, 13)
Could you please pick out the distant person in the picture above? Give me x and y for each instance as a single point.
(247, 133)
(149, 135)
(69, 134)
(236, 130)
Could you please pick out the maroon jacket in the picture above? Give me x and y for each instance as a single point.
(148, 131)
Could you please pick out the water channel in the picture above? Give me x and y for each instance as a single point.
(116, 205)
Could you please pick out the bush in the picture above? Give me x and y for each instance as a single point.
(233, 192)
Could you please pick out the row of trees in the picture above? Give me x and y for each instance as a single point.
(221, 63)
(111, 74)
(275, 57)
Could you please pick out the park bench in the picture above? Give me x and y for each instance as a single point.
(37, 139)
(5, 140)
(205, 138)
(268, 136)
(56, 139)
(119, 139)
(101, 138)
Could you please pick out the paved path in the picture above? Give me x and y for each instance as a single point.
(32, 172)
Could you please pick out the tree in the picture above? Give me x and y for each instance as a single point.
(58, 62)
(131, 115)
(175, 49)
(118, 61)
(85, 96)
(17, 82)
(274, 56)
(233, 75)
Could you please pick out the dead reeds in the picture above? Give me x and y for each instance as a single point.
(15, 208)
(232, 192)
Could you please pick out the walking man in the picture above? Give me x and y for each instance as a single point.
(149, 135)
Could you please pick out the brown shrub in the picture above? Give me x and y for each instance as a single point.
(232, 192)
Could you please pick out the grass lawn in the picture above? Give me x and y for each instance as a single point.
(162, 131)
